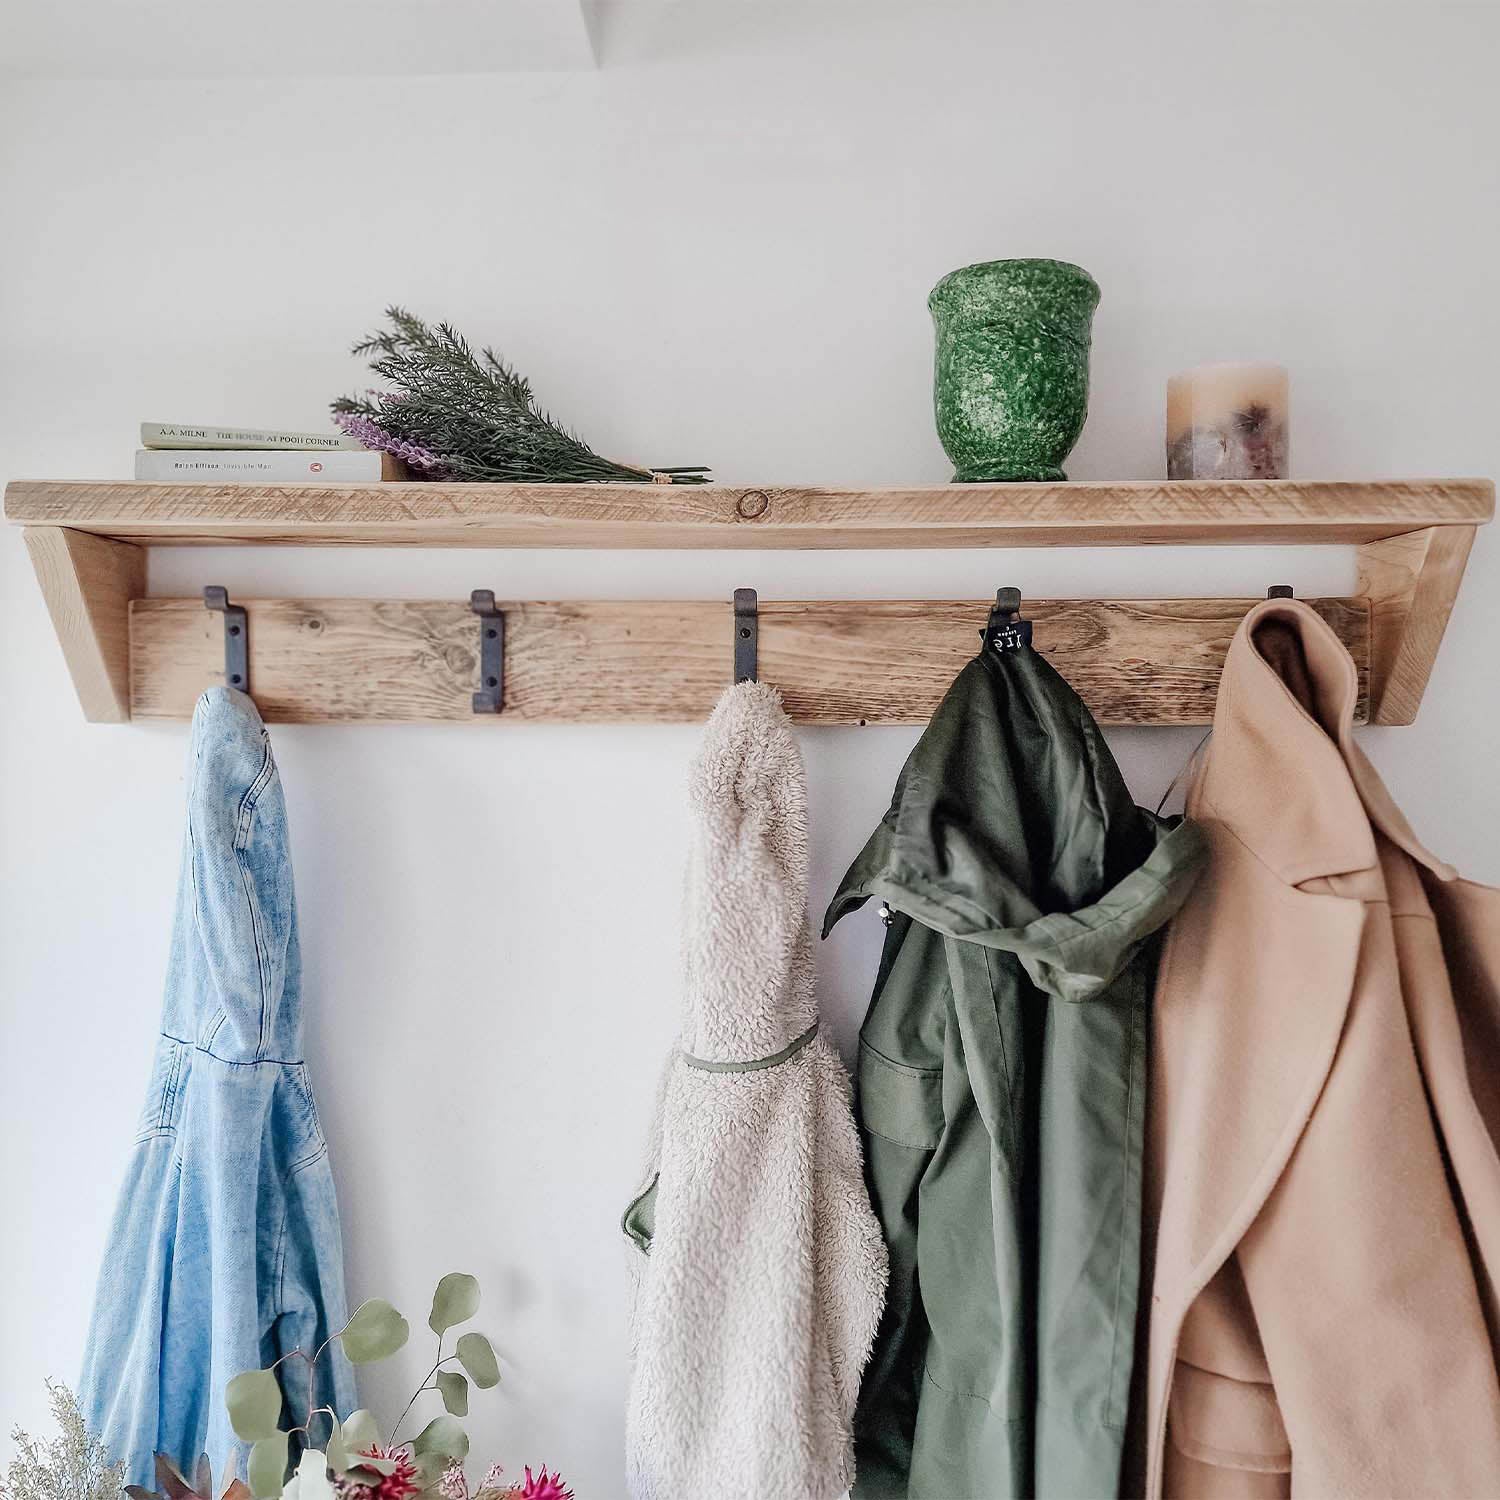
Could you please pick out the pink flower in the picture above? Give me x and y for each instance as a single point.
(401, 1483)
(453, 1485)
(544, 1487)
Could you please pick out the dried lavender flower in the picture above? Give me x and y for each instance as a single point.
(366, 431)
(474, 414)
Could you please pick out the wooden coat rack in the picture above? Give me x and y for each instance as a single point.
(1134, 661)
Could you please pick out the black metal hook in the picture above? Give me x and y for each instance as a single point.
(236, 636)
(1005, 629)
(1280, 591)
(490, 698)
(746, 635)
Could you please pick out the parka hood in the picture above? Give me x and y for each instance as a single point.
(1012, 828)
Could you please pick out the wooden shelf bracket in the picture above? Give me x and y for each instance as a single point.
(89, 582)
(1410, 582)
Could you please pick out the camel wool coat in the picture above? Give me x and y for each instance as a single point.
(1325, 1106)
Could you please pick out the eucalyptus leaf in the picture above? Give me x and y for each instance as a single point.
(267, 1467)
(456, 1300)
(254, 1404)
(310, 1482)
(376, 1331)
(360, 1431)
(339, 1458)
(478, 1358)
(430, 1468)
(455, 1392)
(444, 1437)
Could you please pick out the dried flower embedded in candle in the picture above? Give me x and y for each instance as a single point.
(1228, 422)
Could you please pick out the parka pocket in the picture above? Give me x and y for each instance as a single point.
(1215, 1423)
(901, 1103)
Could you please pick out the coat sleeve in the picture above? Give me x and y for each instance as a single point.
(892, 1102)
(852, 1261)
(1360, 1276)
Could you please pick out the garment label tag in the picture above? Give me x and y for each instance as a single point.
(1011, 637)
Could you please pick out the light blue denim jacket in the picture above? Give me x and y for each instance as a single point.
(225, 1251)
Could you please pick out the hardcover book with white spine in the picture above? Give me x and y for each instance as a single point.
(163, 435)
(267, 466)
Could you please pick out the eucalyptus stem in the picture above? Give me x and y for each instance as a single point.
(442, 1360)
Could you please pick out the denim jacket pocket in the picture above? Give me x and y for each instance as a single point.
(311, 1126)
(164, 1094)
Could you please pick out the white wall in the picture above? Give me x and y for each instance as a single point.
(716, 249)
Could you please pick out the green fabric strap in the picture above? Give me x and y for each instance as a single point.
(790, 1050)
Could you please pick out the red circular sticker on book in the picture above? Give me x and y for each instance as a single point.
(317, 468)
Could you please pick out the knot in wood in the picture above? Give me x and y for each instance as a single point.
(753, 504)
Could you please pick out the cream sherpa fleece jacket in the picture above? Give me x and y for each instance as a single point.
(757, 1300)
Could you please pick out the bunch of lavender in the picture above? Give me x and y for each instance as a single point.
(458, 415)
(73, 1466)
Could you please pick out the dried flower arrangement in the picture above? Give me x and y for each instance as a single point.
(73, 1466)
(458, 415)
(356, 1462)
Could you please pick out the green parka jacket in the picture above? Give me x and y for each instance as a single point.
(1001, 1081)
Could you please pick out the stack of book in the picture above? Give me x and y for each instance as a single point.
(257, 456)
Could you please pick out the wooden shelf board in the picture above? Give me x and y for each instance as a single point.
(1135, 662)
(727, 516)
(315, 661)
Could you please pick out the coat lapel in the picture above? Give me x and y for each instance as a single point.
(1247, 1025)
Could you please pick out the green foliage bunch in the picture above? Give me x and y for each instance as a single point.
(355, 1451)
(458, 415)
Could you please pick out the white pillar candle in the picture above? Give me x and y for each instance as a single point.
(1228, 421)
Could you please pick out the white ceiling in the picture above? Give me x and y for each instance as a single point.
(167, 39)
(289, 38)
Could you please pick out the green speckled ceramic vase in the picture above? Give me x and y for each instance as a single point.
(1011, 388)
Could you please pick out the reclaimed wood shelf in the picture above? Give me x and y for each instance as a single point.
(343, 660)
(716, 515)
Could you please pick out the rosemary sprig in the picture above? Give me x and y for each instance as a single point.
(457, 415)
